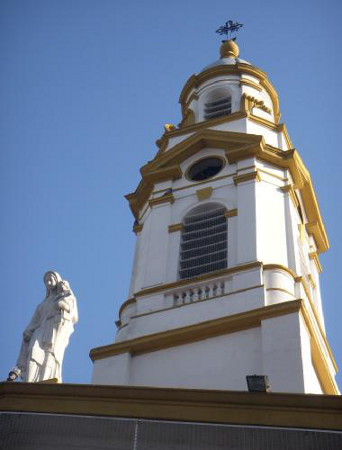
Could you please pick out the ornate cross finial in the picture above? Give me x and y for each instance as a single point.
(229, 28)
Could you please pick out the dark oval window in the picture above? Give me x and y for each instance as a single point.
(205, 168)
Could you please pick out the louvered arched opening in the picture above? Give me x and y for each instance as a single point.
(204, 241)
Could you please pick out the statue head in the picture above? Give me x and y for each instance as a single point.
(51, 280)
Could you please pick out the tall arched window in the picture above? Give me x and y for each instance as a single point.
(204, 241)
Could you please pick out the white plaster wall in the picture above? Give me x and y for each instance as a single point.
(311, 382)
(112, 370)
(271, 225)
(156, 251)
(246, 222)
(271, 137)
(216, 363)
(193, 313)
(282, 353)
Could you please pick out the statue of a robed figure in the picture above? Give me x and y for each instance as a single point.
(47, 335)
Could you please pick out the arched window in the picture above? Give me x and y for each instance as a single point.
(219, 103)
(204, 241)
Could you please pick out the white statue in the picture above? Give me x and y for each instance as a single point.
(47, 335)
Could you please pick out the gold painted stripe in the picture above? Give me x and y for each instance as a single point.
(247, 82)
(168, 198)
(307, 411)
(246, 177)
(231, 213)
(314, 257)
(175, 227)
(197, 332)
(200, 279)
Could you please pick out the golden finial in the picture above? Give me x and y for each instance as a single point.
(229, 49)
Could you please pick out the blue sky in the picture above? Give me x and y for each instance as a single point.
(86, 87)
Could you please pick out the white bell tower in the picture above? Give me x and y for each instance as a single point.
(225, 278)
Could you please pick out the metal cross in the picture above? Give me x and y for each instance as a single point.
(229, 28)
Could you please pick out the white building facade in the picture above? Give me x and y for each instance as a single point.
(225, 279)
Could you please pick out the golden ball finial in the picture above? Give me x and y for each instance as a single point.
(229, 49)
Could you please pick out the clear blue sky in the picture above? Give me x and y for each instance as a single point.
(86, 87)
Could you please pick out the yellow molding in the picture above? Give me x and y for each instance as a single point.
(197, 332)
(238, 69)
(312, 281)
(267, 172)
(200, 279)
(248, 102)
(175, 227)
(252, 84)
(281, 267)
(204, 193)
(319, 360)
(246, 177)
(162, 143)
(314, 257)
(318, 320)
(168, 198)
(137, 227)
(237, 146)
(156, 311)
(288, 188)
(302, 233)
(129, 301)
(231, 213)
(307, 411)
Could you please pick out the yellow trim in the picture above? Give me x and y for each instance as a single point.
(197, 332)
(246, 177)
(238, 69)
(280, 267)
(319, 360)
(307, 411)
(237, 146)
(200, 279)
(175, 227)
(248, 102)
(250, 83)
(288, 188)
(313, 308)
(137, 228)
(129, 301)
(224, 162)
(168, 198)
(231, 213)
(302, 233)
(314, 257)
(238, 291)
(205, 193)
(312, 281)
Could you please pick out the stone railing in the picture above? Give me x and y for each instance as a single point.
(203, 292)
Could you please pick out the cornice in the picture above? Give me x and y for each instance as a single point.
(308, 411)
(237, 146)
(197, 332)
(198, 279)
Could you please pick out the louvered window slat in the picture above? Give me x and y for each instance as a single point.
(204, 241)
(222, 107)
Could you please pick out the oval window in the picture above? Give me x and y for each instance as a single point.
(205, 168)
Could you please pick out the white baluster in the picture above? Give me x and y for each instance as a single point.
(207, 291)
(195, 295)
(202, 294)
(219, 290)
(210, 291)
(187, 298)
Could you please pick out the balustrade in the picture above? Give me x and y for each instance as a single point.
(204, 292)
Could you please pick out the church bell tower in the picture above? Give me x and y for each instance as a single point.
(225, 279)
